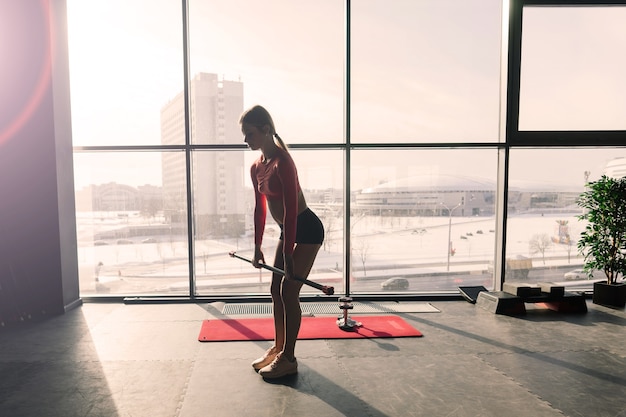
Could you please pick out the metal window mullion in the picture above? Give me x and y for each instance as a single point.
(502, 186)
(188, 158)
(509, 64)
(347, 167)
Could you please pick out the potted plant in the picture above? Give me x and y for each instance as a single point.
(603, 242)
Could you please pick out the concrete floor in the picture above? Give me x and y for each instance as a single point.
(145, 360)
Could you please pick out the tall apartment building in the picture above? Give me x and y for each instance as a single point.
(616, 168)
(217, 175)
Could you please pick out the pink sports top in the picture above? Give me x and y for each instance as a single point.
(277, 179)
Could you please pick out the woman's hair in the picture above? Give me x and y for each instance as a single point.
(258, 116)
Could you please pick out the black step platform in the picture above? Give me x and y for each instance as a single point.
(513, 300)
(471, 293)
(500, 302)
(521, 289)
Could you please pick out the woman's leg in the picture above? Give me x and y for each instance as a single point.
(279, 315)
(303, 258)
(277, 302)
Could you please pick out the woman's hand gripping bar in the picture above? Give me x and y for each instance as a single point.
(323, 288)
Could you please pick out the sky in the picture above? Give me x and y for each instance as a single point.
(422, 70)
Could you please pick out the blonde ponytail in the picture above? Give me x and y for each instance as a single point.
(281, 144)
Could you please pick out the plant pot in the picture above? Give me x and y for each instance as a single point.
(609, 295)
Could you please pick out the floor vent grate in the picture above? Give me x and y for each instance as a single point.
(232, 309)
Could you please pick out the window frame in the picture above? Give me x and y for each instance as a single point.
(543, 138)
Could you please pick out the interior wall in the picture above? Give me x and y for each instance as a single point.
(38, 258)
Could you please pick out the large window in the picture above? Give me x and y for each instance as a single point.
(572, 72)
(425, 71)
(424, 215)
(565, 125)
(440, 145)
(132, 230)
(542, 224)
(131, 205)
(125, 64)
(224, 220)
(288, 55)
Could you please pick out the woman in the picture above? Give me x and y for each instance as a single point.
(276, 187)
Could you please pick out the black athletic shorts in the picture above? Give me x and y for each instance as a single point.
(309, 228)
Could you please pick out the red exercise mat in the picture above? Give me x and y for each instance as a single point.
(311, 328)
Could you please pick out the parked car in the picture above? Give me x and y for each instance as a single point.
(397, 283)
(149, 240)
(579, 274)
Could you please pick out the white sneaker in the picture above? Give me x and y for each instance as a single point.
(280, 366)
(267, 358)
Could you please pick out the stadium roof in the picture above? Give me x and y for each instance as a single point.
(452, 182)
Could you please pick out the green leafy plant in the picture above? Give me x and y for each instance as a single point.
(603, 242)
